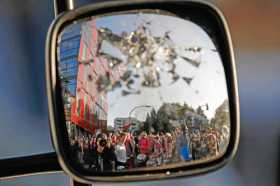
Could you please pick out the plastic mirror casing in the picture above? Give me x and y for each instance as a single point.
(198, 11)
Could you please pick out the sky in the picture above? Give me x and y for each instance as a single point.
(208, 85)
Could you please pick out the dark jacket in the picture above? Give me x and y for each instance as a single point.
(102, 162)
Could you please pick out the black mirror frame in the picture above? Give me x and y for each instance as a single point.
(29, 165)
(55, 103)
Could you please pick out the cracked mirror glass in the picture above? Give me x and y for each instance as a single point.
(142, 90)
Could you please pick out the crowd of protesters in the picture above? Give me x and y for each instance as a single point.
(125, 151)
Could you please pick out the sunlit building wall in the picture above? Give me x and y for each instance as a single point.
(90, 108)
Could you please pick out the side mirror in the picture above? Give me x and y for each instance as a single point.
(141, 90)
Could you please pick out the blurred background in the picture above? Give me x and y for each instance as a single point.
(254, 26)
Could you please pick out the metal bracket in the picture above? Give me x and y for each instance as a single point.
(62, 5)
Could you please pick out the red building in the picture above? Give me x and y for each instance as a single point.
(89, 109)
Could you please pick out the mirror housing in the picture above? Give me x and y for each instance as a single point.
(201, 13)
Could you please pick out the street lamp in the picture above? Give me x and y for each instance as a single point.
(206, 106)
(134, 108)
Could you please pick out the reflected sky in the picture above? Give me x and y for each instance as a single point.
(208, 85)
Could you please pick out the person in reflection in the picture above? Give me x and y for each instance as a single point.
(86, 154)
(142, 150)
(200, 148)
(74, 147)
(195, 144)
(93, 143)
(130, 150)
(157, 155)
(144, 144)
(168, 148)
(103, 157)
(222, 138)
(182, 150)
(212, 144)
(120, 151)
(81, 149)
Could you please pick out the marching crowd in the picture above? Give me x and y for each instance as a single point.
(125, 151)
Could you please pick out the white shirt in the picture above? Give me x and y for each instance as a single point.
(120, 152)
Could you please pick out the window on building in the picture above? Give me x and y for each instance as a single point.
(86, 115)
(79, 106)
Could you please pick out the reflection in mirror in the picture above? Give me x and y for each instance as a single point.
(142, 91)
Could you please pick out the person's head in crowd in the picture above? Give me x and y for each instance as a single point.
(178, 130)
(211, 140)
(116, 133)
(101, 140)
(122, 137)
(157, 138)
(168, 136)
(143, 135)
(128, 137)
(196, 135)
(137, 133)
(113, 139)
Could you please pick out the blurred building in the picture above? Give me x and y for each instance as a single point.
(69, 44)
(126, 124)
(80, 69)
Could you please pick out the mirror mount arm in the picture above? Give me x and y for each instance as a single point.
(62, 5)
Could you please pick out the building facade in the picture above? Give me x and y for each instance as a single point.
(126, 124)
(90, 108)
